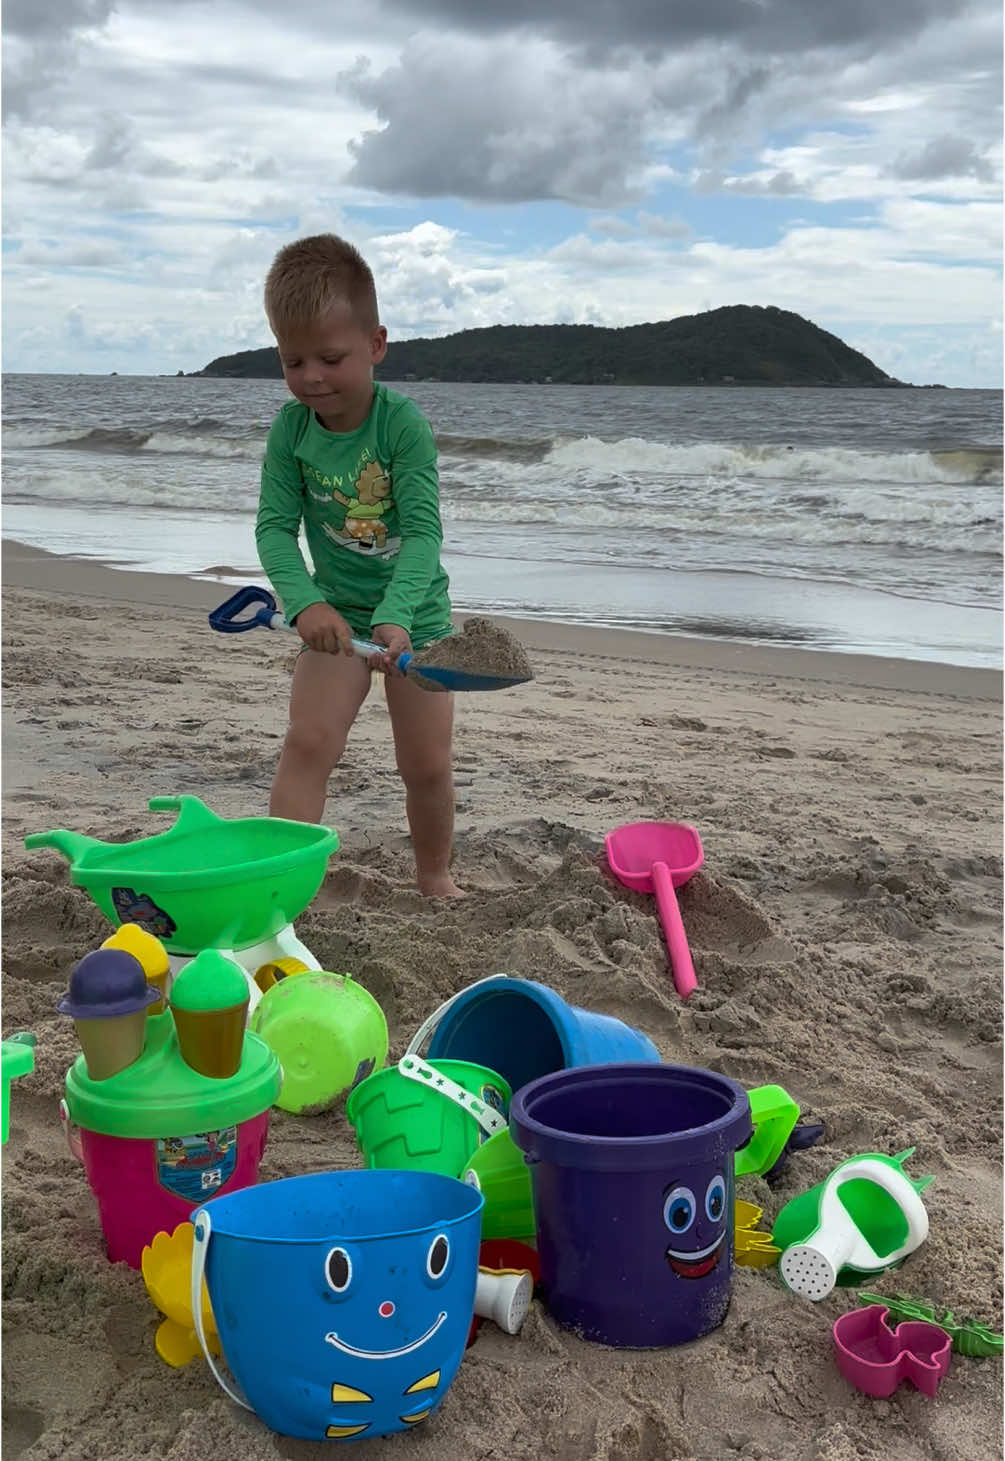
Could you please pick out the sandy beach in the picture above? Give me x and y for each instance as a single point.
(846, 932)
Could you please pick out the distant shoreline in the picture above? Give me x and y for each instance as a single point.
(737, 345)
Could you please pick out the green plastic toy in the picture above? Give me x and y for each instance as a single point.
(971, 1338)
(205, 883)
(328, 1032)
(774, 1114)
(866, 1217)
(427, 1116)
(160, 1095)
(502, 1176)
(18, 1058)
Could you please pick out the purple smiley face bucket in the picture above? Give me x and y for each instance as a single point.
(632, 1173)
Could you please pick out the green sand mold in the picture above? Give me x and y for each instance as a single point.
(969, 1337)
(18, 1058)
(774, 1114)
(207, 882)
(159, 1095)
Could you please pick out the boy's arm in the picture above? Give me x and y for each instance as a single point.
(277, 527)
(417, 499)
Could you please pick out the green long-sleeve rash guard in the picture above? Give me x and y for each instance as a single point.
(369, 503)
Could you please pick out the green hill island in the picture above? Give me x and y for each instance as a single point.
(741, 344)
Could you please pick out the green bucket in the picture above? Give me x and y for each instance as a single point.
(206, 883)
(18, 1058)
(328, 1034)
(427, 1116)
(502, 1176)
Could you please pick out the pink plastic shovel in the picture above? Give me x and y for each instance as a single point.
(657, 857)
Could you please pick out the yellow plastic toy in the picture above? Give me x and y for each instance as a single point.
(166, 1264)
(150, 953)
(753, 1247)
(270, 974)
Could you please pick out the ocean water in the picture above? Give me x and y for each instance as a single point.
(860, 521)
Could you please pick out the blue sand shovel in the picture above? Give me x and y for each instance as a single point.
(230, 618)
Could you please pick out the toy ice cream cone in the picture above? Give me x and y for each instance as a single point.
(151, 954)
(209, 1002)
(108, 1000)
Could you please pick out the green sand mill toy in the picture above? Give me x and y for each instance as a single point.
(207, 883)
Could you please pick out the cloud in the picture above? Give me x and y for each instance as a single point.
(43, 42)
(80, 254)
(56, 19)
(779, 184)
(613, 225)
(598, 162)
(653, 224)
(509, 124)
(765, 26)
(944, 157)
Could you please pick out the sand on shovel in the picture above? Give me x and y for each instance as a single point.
(481, 648)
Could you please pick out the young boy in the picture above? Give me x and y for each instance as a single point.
(356, 463)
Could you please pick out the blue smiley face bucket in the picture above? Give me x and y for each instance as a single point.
(342, 1299)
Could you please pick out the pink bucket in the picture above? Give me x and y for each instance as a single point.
(145, 1187)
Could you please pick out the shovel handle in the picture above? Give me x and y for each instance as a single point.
(681, 964)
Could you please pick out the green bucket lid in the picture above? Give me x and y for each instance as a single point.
(160, 1095)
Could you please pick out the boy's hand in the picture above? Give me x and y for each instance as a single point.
(397, 641)
(322, 628)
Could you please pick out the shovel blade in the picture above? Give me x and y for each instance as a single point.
(632, 850)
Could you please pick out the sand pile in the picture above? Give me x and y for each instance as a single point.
(481, 648)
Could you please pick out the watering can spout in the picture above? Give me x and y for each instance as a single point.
(72, 845)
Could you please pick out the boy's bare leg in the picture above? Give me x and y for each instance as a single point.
(422, 722)
(327, 692)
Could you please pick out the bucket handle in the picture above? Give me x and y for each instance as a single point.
(71, 1132)
(429, 1024)
(202, 1228)
(427, 1075)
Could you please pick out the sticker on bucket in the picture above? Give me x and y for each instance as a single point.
(194, 1167)
(364, 1069)
(495, 1100)
(133, 907)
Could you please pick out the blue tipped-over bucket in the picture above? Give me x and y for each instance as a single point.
(524, 1030)
(342, 1300)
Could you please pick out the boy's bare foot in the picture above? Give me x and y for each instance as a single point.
(440, 887)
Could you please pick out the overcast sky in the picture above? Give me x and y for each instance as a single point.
(561, 160)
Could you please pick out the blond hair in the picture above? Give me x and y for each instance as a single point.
(311, 276)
